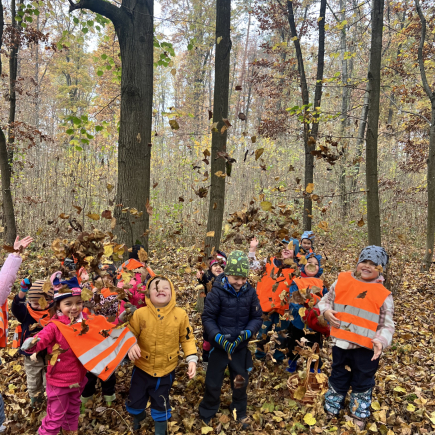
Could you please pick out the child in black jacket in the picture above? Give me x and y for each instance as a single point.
(33, 317)
(232, 315)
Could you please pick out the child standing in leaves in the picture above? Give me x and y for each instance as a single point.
(8, 274)
(160, 328)
(360, 311)
(33, 315)
(308, 282)
(232, 315)
(272, 291)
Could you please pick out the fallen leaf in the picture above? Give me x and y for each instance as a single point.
(258, 153)
(266, 205)
(309, 419)
(309, 188)
(210, 234)
(93, 216)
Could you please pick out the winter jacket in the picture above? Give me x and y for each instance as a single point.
(206, 278)
(8, 274)
(159, 333)
(228, 312)
(20, 311)
(67, 370)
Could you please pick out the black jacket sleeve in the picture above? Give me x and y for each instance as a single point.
(19, 308)
(255, 317)
(211, 313)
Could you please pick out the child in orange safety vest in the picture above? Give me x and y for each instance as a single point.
(310, 278)
(77, 343)
(360, 311)
(272, 291)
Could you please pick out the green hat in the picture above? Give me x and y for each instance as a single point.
(237, 264)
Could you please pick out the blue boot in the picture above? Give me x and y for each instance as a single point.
(292, 366)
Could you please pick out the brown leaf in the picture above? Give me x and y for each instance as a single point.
(109, 187)
(148, 207)
(181, 199)
(85, 328)
(362, 295)
(93, 216)
(242, 116)
(64, 216)
(174, 124)
(143, 255)
(361, 222)
(78, 208)
(106, 214)
(155, 185)
(210, 114)
(258, 153)
(42, 303)
(113, 223)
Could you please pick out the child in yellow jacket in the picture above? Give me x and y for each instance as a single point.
(160, 328)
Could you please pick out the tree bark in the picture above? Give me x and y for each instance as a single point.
(374, 77)
(430, 228)
(134, 27)
(220, 111)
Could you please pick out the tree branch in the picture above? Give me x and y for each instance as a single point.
(101, 7)
(425, 83)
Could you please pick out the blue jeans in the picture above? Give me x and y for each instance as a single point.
(2, 411)
(272, 319)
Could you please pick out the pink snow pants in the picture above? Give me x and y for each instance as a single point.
(63, 409)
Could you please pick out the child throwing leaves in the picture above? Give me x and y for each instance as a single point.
(232, 315)
(272, 291)
(8, 274)
(360, 311)
(160, 328)
(31, 308)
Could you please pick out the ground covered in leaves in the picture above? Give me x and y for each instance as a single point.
(404, 397)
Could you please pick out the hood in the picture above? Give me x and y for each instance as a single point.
(221, 282)
(172, 302)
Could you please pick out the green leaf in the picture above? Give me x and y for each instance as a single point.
(190, 47)
(104, 56)
(76, 20)
(84, 118)
(23, 25)
(85, 30)
(90, 23)
(76, 120)
(83, 131)
(70, 131)
(89, 136)
(99, 128)
(108, 67)
(18, 18)
(100, 73)
(36, 12)
(84, 141)
(79, 148)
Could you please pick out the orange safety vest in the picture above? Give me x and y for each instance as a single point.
(308, 282)
(4, 324)
(133, 264)
(358, 305)
(17, 337)
(269, 299)
(100, 353)
(42, 317)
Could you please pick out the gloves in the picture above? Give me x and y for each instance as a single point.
(245, 334)
(227, 346)
(28, 343)
(131, 309)
(25, 285)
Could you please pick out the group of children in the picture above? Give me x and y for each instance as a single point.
(83, 344)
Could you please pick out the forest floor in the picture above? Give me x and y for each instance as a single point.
(403, 401)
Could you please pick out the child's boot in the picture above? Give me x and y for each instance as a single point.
(84, 401)
(36, 401)
(110, 399)
(160, 427)
(137, 420)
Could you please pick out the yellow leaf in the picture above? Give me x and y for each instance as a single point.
(400, 390)
(113, 223)
(17, 368)
(299, 393)
(108, 250)
(235, 414)
(376, 406)
(266, 205)
(173, 71)
(258, 153)
(86, 294)
(174, 124)
(302, 311)
(309, 419)
(319, 19)
(310, 188)
(64, 216)
(295, 38)
(42, 303)
(93, 216)
(326, 26)
(109, 187)
(206, 430)
(373, 428)
(12, 352)
(218, 40)
(210, 234)
(410, 407)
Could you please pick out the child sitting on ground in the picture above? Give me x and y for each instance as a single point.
(33, 318)
(309, 279)
(160, 328)
(232, 315)
(277, 276)
(360, 311)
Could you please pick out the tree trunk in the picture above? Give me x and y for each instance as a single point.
(430, 229)
(134, 26)
(374, 76)
(220, 110)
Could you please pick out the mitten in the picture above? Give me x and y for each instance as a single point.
(25, 285)
(28, 343)
(246, 334)
(226, 345)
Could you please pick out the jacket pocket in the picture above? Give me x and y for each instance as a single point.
(173, 356)
(145, 355)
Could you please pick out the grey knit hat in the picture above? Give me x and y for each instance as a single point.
(374, 253)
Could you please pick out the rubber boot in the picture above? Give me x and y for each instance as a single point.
(36, 401)
(137, 420)
(84, 401)
(160, 427)
(110, 399)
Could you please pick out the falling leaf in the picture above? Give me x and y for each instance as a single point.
(253, 139)
(218, 40)
(348, 368)
(85, 328)
(113, 223)
(210, 234)
(266, 205)
(78, 208)
(220, 174)
(309, 188)
(46, 287)
(235, 414)
(173, 71)
(309, 419)
(109, 187)
(138, 138)
(242, 116)
(86, 294)
(362, 295)
(300, 392)
(148, 207)
(291, 168)
(42, 303)
(174, 124)
(106, 214)
(143, 255)
(64, 216)
(238, 88)
(361, 222)
(239, 381)
(93, 216)
(258, 153)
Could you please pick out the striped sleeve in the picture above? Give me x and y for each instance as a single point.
(327, 302)
(386, 328)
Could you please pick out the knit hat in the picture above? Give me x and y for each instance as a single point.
(69, 288)
(135, 251)
(295, 244)
(374, 253)
(237, 264)
(110, 269)
(308, 235)
(35, 292)
(220, 258)
(319, 259)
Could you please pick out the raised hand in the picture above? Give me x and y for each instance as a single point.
(21, 245)
(253, 244)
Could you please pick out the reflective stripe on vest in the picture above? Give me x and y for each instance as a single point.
(17, 337)
(308, 282)
(99, 354)
(358, 305)
(4, 324)
(269, 299)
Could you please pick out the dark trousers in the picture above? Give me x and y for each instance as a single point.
(143, 387)
(361, 376)
(240, 364)
(295, 334)
(107, 387)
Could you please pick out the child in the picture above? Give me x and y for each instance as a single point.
(33, 318)
(216, 267)
(232, 315)
(8, 274)
(360, 310)
(307, 242)
(160, 328)
(310, 277)
(270, 293)
(79, 345)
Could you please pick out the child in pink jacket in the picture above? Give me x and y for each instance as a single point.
(8, 274)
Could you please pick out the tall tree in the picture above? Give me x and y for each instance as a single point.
(310, 130)
(133, 22)
(430, 229)
(374, 89)
(220, 112)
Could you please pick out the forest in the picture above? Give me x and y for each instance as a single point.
(193, 127)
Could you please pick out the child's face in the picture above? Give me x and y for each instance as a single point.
(160, 293)
(72, 306)
(367, 270)
(237, 281)
(306, 244)
(312, 267)
(286, 252)
(216, 269)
